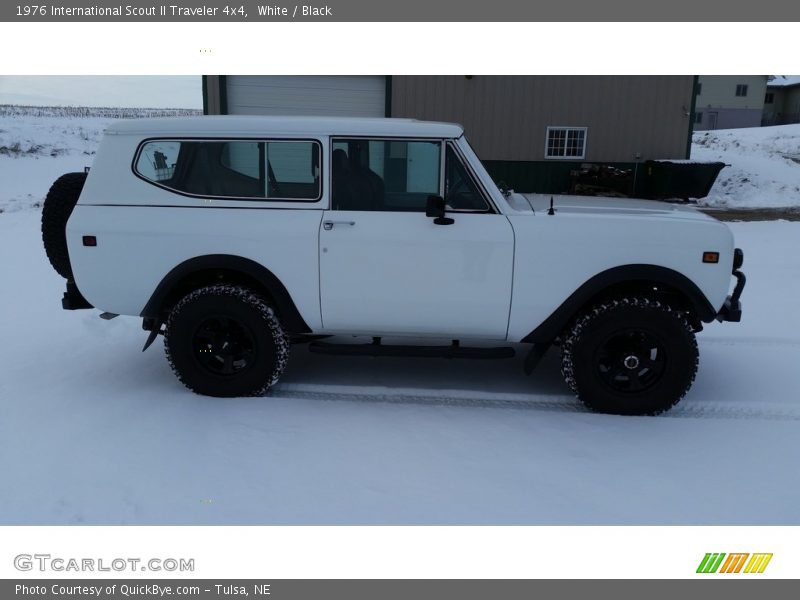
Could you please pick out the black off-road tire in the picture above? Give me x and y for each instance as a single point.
(630, 356)
(210, 327)
(58, 205)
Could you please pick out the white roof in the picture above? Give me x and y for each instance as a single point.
(235, 125)
(784, 80)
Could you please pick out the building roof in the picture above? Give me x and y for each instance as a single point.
(255, 126)
(784, 81)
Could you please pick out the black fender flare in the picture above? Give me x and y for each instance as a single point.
(552, 327)
(248, 270)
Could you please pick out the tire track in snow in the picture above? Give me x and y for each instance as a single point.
(557, 403)
(722, 410)
(749, 341)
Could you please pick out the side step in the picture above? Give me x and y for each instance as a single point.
(455, 350)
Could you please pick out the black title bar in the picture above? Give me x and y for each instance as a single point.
(405, 10)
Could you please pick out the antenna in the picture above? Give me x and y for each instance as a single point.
(551, 211)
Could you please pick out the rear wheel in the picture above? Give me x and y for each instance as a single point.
(631, 356)
(225, 341)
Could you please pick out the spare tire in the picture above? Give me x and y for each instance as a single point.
(58, 205)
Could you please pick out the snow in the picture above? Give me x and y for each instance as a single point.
(784, 80)
(93, 431)
(760, 174)
(681, 161)
(38, 144)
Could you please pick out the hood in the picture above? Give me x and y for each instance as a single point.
(598, 205)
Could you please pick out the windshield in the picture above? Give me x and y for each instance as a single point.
(469, 150)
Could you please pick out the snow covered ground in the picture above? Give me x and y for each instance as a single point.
(94, 431)
(760, 174)
(34, 152)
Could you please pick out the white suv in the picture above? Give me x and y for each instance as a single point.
(238, 236)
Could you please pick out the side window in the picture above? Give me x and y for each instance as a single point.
(157, 160)
(386, 175)
(292, 170)
(267, 170)
(460, 192)
(204, 168)
(242, 157)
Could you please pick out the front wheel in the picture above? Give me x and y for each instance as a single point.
(630, 356)
(225, 340)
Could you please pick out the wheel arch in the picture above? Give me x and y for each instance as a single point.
(216, 268)
(652, 280)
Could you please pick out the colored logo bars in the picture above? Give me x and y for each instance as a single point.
(713, 563)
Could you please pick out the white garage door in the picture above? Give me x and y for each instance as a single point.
(330, 95)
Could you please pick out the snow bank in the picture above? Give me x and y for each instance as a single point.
(35, 151)
(760, 174)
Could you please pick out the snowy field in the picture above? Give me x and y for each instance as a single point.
(37, 145)
(93, 431)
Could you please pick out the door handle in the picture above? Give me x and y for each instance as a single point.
(328, 225)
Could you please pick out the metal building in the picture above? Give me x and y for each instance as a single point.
(729, 101)
(782, 100)
(531, 132)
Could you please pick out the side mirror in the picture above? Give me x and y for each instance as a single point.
(435, 208)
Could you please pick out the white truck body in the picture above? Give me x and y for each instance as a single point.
(237, 237)
(494, 275)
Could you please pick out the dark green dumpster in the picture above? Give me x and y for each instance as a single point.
(678, 179)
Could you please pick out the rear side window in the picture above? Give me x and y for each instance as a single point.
(259, 170)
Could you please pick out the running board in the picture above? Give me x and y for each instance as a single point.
(377, 349)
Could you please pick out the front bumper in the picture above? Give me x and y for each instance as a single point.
(732, 308)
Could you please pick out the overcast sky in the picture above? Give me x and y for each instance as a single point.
(143, 91)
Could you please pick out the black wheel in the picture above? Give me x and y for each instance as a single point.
(225, 341)
(58, 205)
(632, 356)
